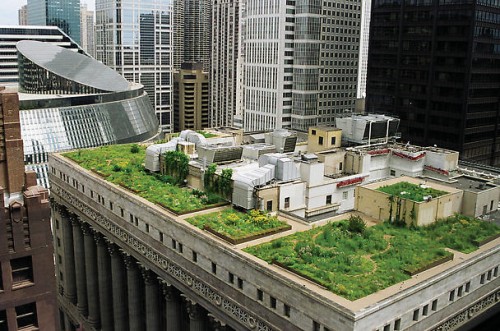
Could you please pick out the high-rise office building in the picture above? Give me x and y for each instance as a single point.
(300, 62)
(64, 14)
(192, 32)
(224, 69)
(191, 97)
(366, 7)
(436, 64)
(23, 15)
(87, 30)
(27, 275)
(135, 39)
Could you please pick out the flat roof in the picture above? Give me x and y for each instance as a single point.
(471, 184)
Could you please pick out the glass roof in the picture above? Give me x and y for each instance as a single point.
(72, 66)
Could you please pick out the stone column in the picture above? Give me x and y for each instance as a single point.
(119, 286)
(105, 287)
(172, 307)
(195, 312)
(79, 254)
(153, 320)
(135, 295)
(69, 260)
(216, 324)
(91, 275)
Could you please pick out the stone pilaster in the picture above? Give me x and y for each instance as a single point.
(91, 275)
(69, 260)
(153, 320)
(135, 294)
(172, 307)
(119, 289)
(79, 255)
(196, 315)
(105, 284)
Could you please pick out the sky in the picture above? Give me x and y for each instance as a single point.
(9, 8)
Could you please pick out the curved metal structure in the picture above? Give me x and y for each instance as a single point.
(71, 101)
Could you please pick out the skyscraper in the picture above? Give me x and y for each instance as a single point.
(64, 14)
(224, 70)
(363, 47)
(87, 30)
(135, 39)
(300, 62)
(23, 15)
(192, 32)
(436, 64)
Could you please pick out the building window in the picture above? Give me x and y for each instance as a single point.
(415, 314)
(111, 205)
(452, 295)
(272, 302)
(121, 212)
(260, 295)
(174, 244)
(434, 305)
(482, 279)
(340, 166)
(313, 132)
(489, 275)
(320, 140)
(467, 287)
(287, 202)
(286, 310)
(316, 326)
(161, 236)
(328, 199)
(195, 256)
(22, 271)
(495, 272)
(231, 278)
(460, 291)
(181, 248)
(26, 316)
(393, 172)
(3, 321)
(147, 227)
(387, 327)
(240, 283)
(214, 268)
(269, 205)
(397, 324)
(425, 310)
(333, 140)
(345, 195)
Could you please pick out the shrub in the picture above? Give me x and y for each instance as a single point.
(116, 168)
(356, 224)
(134, 149)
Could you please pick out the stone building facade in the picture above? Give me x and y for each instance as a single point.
(27, 278)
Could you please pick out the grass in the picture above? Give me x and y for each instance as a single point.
(237, 225)
(354, 265)
(410, 191)
(119, 165)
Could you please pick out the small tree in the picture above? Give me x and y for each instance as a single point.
(209, 177)
(176, 165)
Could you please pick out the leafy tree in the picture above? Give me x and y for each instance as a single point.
(356, 224)
(176, 165)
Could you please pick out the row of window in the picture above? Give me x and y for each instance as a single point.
(432, 306)
(26, 317)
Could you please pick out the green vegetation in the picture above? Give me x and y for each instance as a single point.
(237, 225)
(176, 165)
(410, 191)
(354, 264)
(206, 134)
(221, 185)
(119, 164)
(461, 233)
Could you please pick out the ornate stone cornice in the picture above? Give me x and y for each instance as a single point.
(225, 304)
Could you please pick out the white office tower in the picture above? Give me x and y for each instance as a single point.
(363, 47)
(224, 73)
(134, 37)
(300, 62)
(87, 30)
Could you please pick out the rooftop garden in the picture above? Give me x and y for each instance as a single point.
(237, 227)
(411, 191)
(353, 261)
(123, 165)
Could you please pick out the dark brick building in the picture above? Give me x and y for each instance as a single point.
(436, 65)
(27, 277)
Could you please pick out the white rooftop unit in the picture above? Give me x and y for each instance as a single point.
(153, 152)
(254, 151)
(286, 169)
(363, 129)
(219, 154)
(244, 184)
(283, 139)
